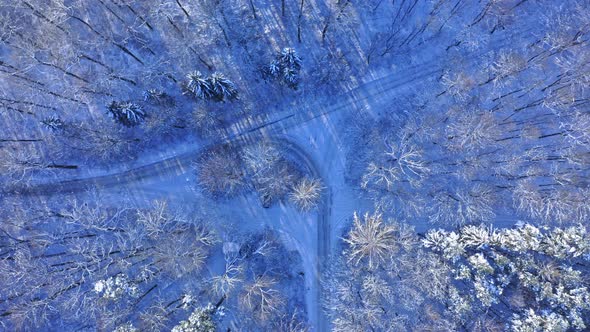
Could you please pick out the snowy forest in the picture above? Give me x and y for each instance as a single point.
(295, 165)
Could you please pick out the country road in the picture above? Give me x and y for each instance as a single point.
(273, 126)
(244, 134)
(294, 166)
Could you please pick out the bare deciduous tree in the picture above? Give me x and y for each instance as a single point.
(466, 206)
(261, 298)
(19, 164)
(370, 239)
(506, 66)
(472, 131)
(223, 284)
(220, 172)
(459, 85)
(306, 193)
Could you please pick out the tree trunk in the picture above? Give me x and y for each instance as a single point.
(253, 9)
(299, 21)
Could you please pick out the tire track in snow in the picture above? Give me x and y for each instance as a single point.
(323, 226)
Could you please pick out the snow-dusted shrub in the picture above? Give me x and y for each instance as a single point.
(272, 175)
(126, 113)
(276, 182)
(261, 157)
(200, 320)
(306, 193)
(115, 287)
(206, 121)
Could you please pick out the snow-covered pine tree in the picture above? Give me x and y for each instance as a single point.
(285, 67)
(53, 123)
(274, 69)
(222, 88)
(198, 86)
(290, 59)
(126, 113)
(291, 77)
(201, 320)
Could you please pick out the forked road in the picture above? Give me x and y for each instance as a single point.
(252, 131)
(274, 129)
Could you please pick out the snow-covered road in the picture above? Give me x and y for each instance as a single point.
(273, 129)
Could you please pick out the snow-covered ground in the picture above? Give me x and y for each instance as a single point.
(363, 62)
